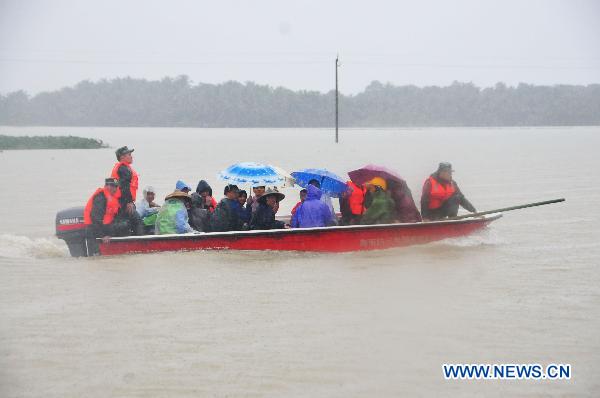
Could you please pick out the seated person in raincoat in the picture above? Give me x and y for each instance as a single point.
(252, 202)
(203, 205)
(203, 197)
(100, 216)
(229, 214)
(173, 215)
(182, 186)
(246, 213)
(352, 203)
(264, 217)
(325, 198)
(404, 204)
(312, 212)
(147, 209)
(379, 203)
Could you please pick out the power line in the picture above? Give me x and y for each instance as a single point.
(299, 62)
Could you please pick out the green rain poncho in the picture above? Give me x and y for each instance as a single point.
(381, 210)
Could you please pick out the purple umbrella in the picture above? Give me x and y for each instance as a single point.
(370, 171)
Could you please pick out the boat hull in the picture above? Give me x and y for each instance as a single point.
(330, 239)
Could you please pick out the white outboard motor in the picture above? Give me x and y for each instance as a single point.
(71, 229)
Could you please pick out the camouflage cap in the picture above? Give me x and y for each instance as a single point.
(445, 166)
(123, 151)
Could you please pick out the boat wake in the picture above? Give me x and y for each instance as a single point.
(15, 246)
(486, 237)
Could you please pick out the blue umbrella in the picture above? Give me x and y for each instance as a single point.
(252, 173)
(330, 182)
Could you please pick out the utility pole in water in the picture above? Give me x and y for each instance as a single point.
(337, 65)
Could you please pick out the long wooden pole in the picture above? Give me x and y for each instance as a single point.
(483, 213)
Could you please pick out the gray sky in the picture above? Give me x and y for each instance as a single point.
(45, 45)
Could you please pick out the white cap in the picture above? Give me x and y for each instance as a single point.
(149, 188)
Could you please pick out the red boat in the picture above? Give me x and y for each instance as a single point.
(70, 228)
(329, 239)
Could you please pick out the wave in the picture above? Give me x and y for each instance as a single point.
(486, 237)
(15, 246)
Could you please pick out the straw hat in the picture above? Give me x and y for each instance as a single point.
(178, 195)
(271, 192)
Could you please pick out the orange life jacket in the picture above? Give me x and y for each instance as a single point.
(439, 193)
(133, 186)
(356, 200)
(112, 207)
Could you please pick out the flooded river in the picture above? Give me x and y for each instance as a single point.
(374, 324)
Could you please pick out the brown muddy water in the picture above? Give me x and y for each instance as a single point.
(377, 324)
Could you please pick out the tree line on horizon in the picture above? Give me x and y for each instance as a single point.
(177, 102)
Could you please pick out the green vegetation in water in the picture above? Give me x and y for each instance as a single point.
(49, 142)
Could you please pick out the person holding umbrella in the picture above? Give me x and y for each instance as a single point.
(329, 184)
(258, 176)
(312, 213)
(325, 199)
(380, 209)
(405, 209)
